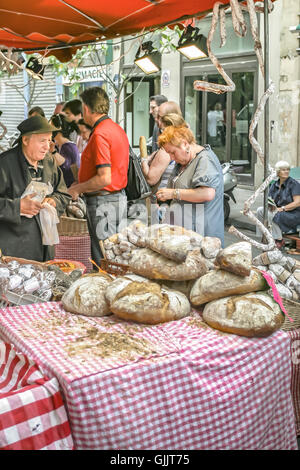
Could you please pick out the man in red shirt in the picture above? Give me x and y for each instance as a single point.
(103, 171)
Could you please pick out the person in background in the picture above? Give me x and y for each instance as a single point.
(20, 235)
(59, 108)
(284, 207)
(103, 171)
(73, 112)
(158, 166)
(36, 111)
(195, 188)
(66, 153)
(85, 132)
(155, 102)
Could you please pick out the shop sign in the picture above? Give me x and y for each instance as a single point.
(85, 74)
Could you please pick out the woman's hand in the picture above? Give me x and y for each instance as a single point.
(164, 194)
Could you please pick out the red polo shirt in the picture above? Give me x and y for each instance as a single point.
(108, 146)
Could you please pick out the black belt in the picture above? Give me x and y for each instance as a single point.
(101, 193)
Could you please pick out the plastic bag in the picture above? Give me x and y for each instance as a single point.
(49, 220)
(41, 189)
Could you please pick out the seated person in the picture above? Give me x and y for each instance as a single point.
(65, 153)
(284, 215)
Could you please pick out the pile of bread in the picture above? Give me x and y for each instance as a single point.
(284, 270)
(172, 270)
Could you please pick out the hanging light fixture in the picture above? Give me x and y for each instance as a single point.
(192, 44)
(35, 68)
(150, 61)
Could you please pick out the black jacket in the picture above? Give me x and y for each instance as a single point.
(21, 236)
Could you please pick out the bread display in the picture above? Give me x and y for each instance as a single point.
(284, 270)
(253, 314)
(86, 295)
(146, 262)
(135, 298)
(173, 242)
(119, 247)
(236, 258)
(217, 284)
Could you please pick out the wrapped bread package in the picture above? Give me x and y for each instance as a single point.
(146, 262)
(217, 284)
(172, 241)
(253, 314)
(135, 298)
(236, 258)
(86, 295)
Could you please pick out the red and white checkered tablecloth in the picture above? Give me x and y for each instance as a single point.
(76, 248)
(32, 413)
(183, 385)
(295, 382)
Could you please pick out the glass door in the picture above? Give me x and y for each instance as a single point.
(216, 119)
(223, 120)
(242, 110)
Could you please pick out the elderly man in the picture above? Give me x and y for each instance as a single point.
(103, 171)
(21, 236)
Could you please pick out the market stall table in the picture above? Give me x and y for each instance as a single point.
(178, 385)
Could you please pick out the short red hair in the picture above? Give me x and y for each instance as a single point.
(175, 135)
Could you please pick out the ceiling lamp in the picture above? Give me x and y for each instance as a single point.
(35, 68)
(150, 61)
(192, 44)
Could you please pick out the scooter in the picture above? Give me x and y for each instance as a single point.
(230, 182)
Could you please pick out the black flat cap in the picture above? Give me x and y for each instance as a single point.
(35, 125)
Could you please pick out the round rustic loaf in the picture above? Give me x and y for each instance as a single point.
(236, 258)
(135, 298)
(253, 314)
(86, 295)
(217, 284)
(152, 265)
(172, 241)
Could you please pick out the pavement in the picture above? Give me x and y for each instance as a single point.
(243, 223)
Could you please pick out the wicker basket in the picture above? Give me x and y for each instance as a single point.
(70, 226)
(7, 259)
(293, 310)
(11, 299)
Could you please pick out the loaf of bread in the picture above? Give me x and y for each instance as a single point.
(236, 258)
(151, 265)
(217, 284)
(253, 314)
(210, 247)
(86, 295)
(172, 241)
(138, 299)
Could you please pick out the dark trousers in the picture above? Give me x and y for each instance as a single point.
(106, 215)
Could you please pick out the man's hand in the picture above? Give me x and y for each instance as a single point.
(73, 191)
(28, 206)
(49, 201)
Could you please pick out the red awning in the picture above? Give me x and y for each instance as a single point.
(33, 24)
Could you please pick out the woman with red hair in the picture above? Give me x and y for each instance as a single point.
(195, 188)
